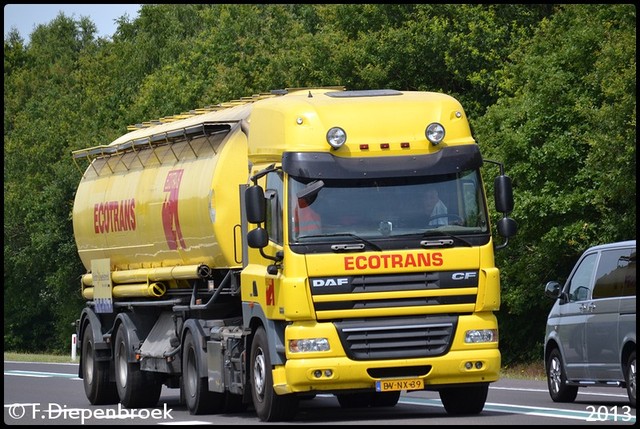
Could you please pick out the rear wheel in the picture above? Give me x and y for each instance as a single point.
(197, 396)
(95, 374)
(630, 378)
(557, 379)
(269, 406)
(136, 388)
(464, 400)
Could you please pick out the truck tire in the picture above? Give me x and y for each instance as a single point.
(630, 378)
(197, 396)
(98, 388)
(466, 400)
(269, 406)
(557, 379)
(136, 388)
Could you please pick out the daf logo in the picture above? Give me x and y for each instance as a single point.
(463, 276)
(329, 282)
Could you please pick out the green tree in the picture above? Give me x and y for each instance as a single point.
(566, 129)
(40, 124)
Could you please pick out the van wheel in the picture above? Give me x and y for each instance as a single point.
(630, 378)
(557, 379)
(459, 401)
(95, 374)
(269, 406)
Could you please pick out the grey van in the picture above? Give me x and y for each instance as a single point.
(590, 337)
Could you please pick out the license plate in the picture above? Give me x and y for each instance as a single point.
(399, 384)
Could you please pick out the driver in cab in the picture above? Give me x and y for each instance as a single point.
(434, 208)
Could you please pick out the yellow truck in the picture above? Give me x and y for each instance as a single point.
(301, 241)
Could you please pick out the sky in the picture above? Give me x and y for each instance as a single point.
(25, 17)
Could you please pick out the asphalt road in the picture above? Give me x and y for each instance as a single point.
(51, 394)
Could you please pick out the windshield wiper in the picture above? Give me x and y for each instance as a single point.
(345, 247)
(443, 241)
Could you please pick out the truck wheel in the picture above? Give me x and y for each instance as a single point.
(197, 396)
(269, 406)
(557, 379)
(95, 374)
(464, 400)
(136, 388)
(630, 378)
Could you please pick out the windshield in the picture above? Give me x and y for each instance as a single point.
(348, 210)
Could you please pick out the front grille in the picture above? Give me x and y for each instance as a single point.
(341, 297)
(398, 337)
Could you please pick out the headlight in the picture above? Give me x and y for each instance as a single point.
(481, 336)
(309, 345)
(336, 137)
(434, 133)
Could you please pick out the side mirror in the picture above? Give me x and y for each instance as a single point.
(503, 194)
(255, 204)
(258, 238)
(552, 289)
(507, 227)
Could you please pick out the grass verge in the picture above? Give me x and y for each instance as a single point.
(38, 357)
(529, 371)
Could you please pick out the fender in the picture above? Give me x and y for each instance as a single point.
(89, 320)
(195, 327)
(131, 330)
(274, 329)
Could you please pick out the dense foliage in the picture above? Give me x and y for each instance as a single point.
(550, 90)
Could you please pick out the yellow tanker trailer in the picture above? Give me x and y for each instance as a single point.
(203, 272)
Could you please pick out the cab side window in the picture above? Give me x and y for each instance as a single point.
(273, 194)
(580, 283)
(616, 274)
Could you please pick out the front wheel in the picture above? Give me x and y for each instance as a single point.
(269, 406)
(557, 379)
(95, 373)
(464, 400)
(630, 378)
